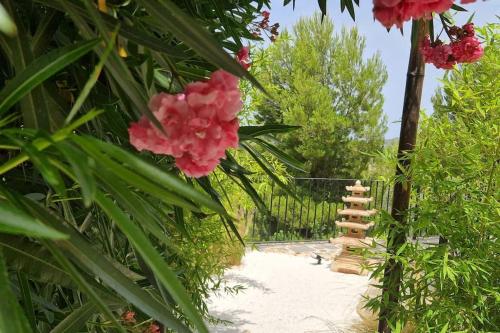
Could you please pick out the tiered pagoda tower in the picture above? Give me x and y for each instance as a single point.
(356, 224)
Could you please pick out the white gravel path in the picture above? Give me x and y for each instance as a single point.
(288, 294)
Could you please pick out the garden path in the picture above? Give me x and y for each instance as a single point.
(288, 292)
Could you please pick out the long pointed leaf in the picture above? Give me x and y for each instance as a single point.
(87, 256)
(185, 28)
(12, 318)
(154, 260)
(41, 69)
(15, 221)
(162, 177)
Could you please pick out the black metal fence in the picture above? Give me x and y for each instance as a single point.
(311, 213)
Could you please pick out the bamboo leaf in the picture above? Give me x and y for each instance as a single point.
(40, 70)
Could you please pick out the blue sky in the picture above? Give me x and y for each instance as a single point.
(393, 47)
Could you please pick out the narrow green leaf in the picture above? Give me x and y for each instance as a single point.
(93, 78)
(163, 178)
(185, 28)
(7, 26)
(153, 259)
(350, 8)
(40, 144)
(445, 328)
(115, 66)
(15, 221)
(12, 318)
(32, 259)
(458, 8)
(85, 288)
(280, 155)
(84, 254)
(41, 69)
(27, 302)
(82, 166)
(133, 33)
(260, 161)
(322, 7)
(76, 319)
(49, 173)
(132, 178)
(246, 132)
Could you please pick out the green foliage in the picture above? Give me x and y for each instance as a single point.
(382, 165)
(453, 286)
(322, 83)
(89, 227)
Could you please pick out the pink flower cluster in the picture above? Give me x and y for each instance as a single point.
(271, 31)
(464, 48)
(200, 123)
(396, 12)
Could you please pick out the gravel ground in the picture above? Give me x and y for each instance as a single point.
(290, 294)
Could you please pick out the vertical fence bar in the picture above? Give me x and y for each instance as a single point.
(301, 208)
(323, 199)
(271, 217)
(278, 218)
(253, 224)
(329, 230)
(293, 208)
(305, 222)
(308, 206)
(284, 218)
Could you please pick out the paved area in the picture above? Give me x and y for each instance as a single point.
(286, 291)
(323, 248)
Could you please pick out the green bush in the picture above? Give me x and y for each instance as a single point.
(454, 286)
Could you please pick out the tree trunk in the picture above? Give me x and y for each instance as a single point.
(409, 124)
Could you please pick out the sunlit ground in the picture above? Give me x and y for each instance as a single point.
(289, 293)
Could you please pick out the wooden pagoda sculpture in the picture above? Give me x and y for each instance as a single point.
(355, 223)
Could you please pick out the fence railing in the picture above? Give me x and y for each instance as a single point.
(311, 213)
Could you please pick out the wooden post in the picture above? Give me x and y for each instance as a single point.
(409, 124)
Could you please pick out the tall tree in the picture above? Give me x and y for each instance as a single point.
(321, 81)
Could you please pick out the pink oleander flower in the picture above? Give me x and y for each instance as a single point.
(464, 48)
(200, 124)
(440, 55)
(153, 328)
(129, 317)
(396, 12)
(243, 57)
(467, 50)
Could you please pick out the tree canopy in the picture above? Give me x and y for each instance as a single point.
(322, 81)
